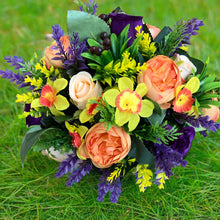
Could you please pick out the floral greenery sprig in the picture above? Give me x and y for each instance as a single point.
(157, 133)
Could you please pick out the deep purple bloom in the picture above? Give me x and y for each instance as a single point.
(15, 61)
(76, 61)
(203, 121)
(190, 28)
(17, 78)
(184, 141)
(120, 21)
(68, 165)
(83, 168)
(91, 7)
(29, 119)
(104, 186)
(167, 158)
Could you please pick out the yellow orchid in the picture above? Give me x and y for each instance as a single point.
(50, 99)
(184, 100)
(129, 104)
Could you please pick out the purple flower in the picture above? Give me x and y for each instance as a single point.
(15, 61)
(68, 165)
(83, 168)
(167, 158)
(29, 119)
(104, 186)
(184, 141)
(91, 7)
(120, 21)
(76, 62)
(17, 78)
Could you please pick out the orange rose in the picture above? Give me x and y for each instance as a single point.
(212, 112)
(50, 53)
(82, 88)
(161, 77)
(103, 147)
(153, 30)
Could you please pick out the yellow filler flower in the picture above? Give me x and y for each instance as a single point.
(129, 104)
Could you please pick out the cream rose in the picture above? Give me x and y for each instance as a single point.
(82, 88)
(185, 67)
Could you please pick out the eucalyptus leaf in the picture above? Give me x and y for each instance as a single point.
(29, 140)
(140, 152)
(161, 36)
(86, 25)
(157, 118)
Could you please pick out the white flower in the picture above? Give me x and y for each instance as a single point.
(82, 88)
(55, 154)
(185, 65)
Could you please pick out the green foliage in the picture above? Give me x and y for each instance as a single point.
(29, 140)
(157, 133)
(170, 40)
(109, 65)
(106, 113)
(53, 137)
(86, 25)
(140, 152)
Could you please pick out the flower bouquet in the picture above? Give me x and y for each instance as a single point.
(116, 95)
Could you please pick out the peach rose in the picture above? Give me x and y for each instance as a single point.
(153, 30)
(161, 77)
(212, 112)
(103, 147)
(82, 88)
(50, 53)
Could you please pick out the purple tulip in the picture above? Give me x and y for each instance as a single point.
(120, 21)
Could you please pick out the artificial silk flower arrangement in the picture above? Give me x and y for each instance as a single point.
(116, 95)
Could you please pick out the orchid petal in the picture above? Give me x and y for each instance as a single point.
(133, 121)
(121, 117)
(147, 109)
(36, 103)
(60, 84)
(125, 83)
(110, 96)
(61, 103)
(141, 89)
(55, 112)
(84, 116)
(193, 84)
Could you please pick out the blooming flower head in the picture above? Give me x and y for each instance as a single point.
(50, 99)
(129, 104)
(77, 133)
(184, 100)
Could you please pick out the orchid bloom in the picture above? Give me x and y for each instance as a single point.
(77, 133)
(184, 100)
(129, 104)
(50, 99)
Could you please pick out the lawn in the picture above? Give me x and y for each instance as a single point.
(33, 192)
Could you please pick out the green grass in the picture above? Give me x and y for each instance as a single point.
(34, 193)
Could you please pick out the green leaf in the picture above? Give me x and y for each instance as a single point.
(161, 36)
(93, 57)
(29, 140)
(106, 57)
(87, 25)
(209, 96)
(53, 137)
(114, 45)
(140, 152)
(133, 49)
(206, 102)
(92, 43)
(123, 36)
(157, 118)
(209, 87)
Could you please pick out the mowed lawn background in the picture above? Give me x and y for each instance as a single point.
(34, 193)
